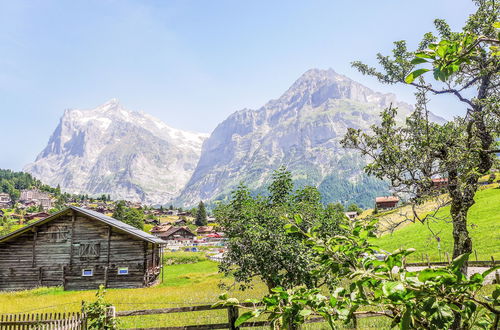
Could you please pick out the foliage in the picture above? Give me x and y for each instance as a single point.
(354, 208)
(97, 312)
(201, 215)
(462, 150)
(257, 241)
(176, 258)
(13, 182)
(430, 298)
(131, 216)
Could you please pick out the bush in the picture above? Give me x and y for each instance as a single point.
(176, 258)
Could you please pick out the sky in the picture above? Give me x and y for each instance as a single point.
(189, 63)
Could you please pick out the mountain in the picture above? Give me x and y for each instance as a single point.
(301, 130)
(109, 150)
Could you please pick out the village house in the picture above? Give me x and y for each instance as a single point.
(36, 197)
(79, 249)
(439, 183)
(351, 215)
(5, 201)
(177, 235)
(205, 230)
(172, 212)
(386, 203)
(36, 216)
(181, 222)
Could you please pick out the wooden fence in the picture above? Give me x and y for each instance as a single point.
(232, 316)
(43, 321)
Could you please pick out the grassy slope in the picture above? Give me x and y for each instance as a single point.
(183, 285)
(484, 218)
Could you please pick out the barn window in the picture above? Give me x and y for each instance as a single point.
(123, 271)
(89, 250)
(88, 272)
(57, 234)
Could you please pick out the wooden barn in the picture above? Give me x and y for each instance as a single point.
(79, 249)
(386, 203)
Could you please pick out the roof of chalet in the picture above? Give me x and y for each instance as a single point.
(94, 215)
(386, 199)
(204, 229)
(173, 230)
(436, 180)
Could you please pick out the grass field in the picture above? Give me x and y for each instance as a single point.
(483, 226)
(183, 285)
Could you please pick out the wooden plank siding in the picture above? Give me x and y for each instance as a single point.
(50, 255)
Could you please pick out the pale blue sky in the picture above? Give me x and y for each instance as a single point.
(189, 63)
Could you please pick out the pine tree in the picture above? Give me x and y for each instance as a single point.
(201, 215)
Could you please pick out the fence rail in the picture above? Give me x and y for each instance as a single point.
(43, 321)
(232, 315)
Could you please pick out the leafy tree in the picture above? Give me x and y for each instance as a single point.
(424, 299)
(354, 208)
(134, 217)
(201, 215)
(120, 209)
(466, 65)
(258, 244)
(337, 206)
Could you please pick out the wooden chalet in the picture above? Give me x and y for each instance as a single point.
(36, 216)
(79, 249)
(351, 215)
(385, 203)
(177, 234)
(439, 183)
(5, 201)
(205, 230)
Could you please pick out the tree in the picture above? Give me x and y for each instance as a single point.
(120, 210)
(135, 218)
(354, 208)
(422, 299)
(258, 244)
(201, 215)
(465, 65)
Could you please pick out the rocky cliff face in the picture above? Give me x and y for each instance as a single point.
(109, 150)
(301, 130)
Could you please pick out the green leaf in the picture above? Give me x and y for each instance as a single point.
(233, 301)
(458, 262)
(412, 76)
(298, 219)
(433, 274)
(406, 320)
(243, 318)
(496, 25)
(305, 312)
(488, 271)
(418, 60)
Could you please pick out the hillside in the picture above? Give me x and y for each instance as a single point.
(484, 218)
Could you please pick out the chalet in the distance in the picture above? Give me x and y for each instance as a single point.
(79, 249)
(439, 183)
(386, 203)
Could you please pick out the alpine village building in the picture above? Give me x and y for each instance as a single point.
(79, 249)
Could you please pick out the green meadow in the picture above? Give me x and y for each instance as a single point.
(483, 225)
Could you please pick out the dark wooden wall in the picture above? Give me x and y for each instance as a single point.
(50, 255)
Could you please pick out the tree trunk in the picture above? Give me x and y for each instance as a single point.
(461, 201)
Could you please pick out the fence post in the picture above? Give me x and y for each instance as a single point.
(497, 275)
(111, 313)
(232, 315)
